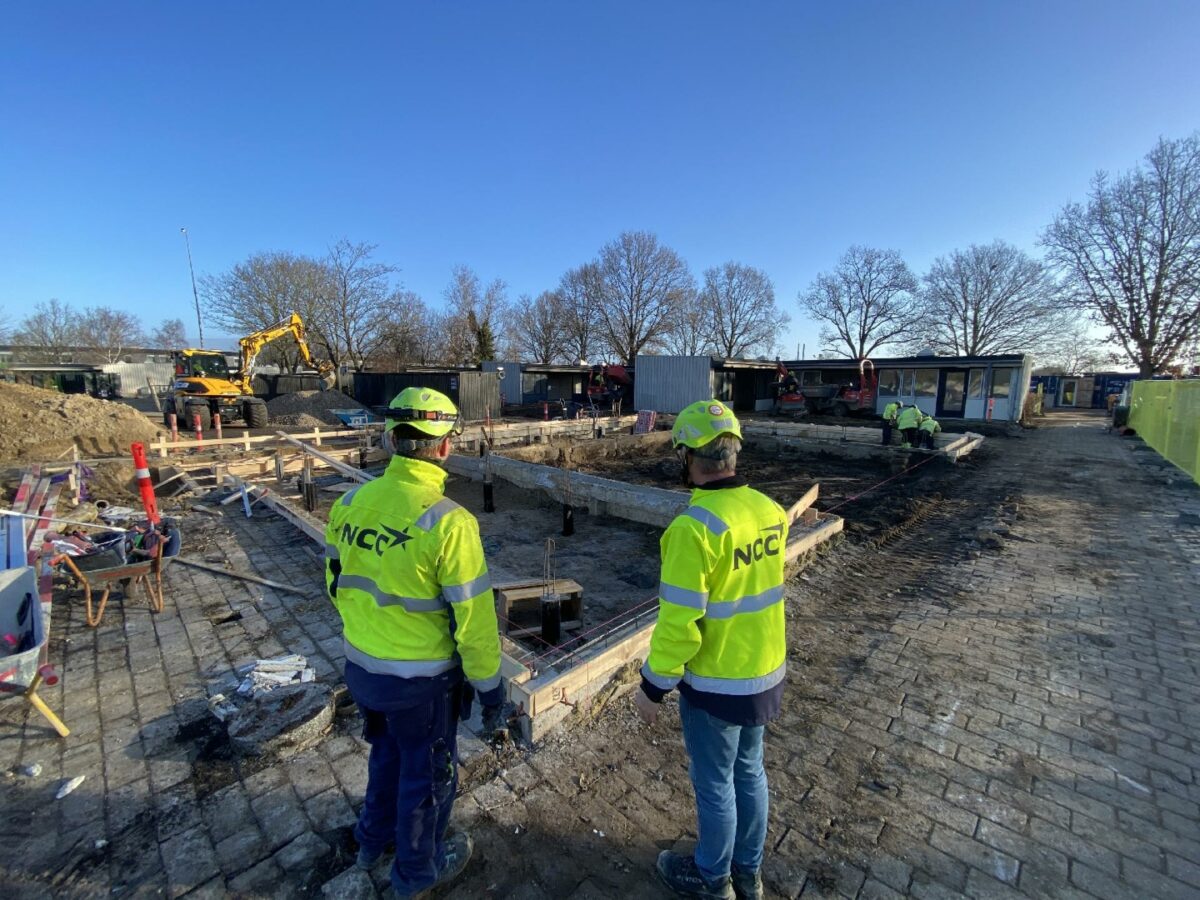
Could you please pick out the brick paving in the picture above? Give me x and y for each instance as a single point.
(1014, 720)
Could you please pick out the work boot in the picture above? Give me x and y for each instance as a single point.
(680, 874)
(746, 885)
(454, 859)
(366, 859)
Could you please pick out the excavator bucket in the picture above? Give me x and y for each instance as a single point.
(328, 380)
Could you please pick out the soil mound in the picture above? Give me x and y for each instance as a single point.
(41, 425)
(310, 408)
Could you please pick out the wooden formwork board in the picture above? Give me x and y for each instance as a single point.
(965, 448)
(805, 535)
(549, 698)
(247, 442)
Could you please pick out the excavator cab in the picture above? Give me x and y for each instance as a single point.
(199, 364)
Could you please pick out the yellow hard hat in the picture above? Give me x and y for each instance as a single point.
(424, 409)
(703, 422)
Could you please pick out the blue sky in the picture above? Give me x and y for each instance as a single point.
(519, 137)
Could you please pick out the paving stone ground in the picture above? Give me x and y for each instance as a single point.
(1012, 720)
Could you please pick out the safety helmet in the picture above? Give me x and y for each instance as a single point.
(703, 422)
(424, 409)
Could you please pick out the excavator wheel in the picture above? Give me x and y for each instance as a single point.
(254, 412)
(841, 410)
(192, 410)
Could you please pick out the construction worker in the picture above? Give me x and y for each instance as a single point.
(720, 639)
(405, 569)
(890, 412)
(908, 420)
(928, 428)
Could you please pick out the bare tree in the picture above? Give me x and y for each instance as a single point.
(642, 283)
(536, 328)
(108, 332)
(49, 332)
(991, 298)
(1131, 254)
(580, 295)
(410, 336)
(868, 301)
(170, 335)
(1073, 351)
(740, 302)
(473, 316)
(5, 326)
(352, 317)
(264, 290)
(691, 328)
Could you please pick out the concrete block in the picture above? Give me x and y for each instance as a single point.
(283, 721)
(353, 884)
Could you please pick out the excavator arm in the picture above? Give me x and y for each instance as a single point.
(251, 345)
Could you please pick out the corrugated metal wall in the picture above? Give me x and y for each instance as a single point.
(131, 377)
(474, 393)
(510, 385)
(667, 384)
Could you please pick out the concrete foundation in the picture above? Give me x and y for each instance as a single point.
(547, 688)
(856, 442)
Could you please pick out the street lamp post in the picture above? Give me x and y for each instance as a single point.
(195, 296)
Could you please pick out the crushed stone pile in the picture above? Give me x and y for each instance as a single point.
(41, 425)
(310, 408)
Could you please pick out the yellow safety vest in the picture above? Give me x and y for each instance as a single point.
(929, 423)
(404, 566)
(721, 626)
(890, 411)
(910, 417)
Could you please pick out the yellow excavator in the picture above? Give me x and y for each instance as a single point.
(205, 387)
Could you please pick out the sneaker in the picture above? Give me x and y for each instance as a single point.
(746, 885)
(366, 859)
(680, 874)
(455, 858)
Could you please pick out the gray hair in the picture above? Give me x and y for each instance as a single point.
(718, 455)
(395, 445)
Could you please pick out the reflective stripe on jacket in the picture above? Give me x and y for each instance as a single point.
(720, 622)
(405, 568)
(910, 417)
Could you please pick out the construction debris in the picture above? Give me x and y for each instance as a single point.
(69, 786)
(283, 721)
(265, 675)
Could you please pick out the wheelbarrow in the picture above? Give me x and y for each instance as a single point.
(23, 642)
(145, 572)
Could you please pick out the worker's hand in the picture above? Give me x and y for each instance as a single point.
(491, 721)
(647, 708)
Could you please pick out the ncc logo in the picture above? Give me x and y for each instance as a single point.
(758, 548)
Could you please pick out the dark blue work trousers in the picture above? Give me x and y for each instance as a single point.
(412, 771)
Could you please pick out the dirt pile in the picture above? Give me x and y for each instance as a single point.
(310, 408)
(41, 425)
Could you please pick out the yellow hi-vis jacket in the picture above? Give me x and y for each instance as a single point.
(930, 424)
(910, 417)
(891, 411)
(404, 566)
(720, 622)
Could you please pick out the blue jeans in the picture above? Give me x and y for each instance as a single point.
(726, 768)
(412, 777)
